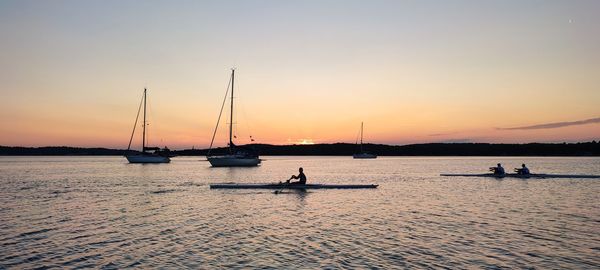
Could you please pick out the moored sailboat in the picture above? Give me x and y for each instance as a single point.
(363, 154)
(236, 156)
(148, 154)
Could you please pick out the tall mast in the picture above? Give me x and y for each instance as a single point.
(361, 136)
(144, 130)
(231, 114)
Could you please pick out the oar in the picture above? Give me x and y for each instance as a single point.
(283, 186)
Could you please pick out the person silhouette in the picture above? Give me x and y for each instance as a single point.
(301, 178)
(498, 170)
(523, 170)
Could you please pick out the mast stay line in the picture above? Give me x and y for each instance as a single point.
(219, 119)
(135, 124)
(231, 113)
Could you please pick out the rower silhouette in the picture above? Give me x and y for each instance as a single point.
(523, 170)
(301, 178)
(498, 170)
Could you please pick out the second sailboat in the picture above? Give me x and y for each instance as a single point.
(236, 156)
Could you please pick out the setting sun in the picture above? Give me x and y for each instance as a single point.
(306, 141)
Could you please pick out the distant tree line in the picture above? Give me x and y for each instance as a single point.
(429, 149)
(346, 149)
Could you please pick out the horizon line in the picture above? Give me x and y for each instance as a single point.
(295, 144)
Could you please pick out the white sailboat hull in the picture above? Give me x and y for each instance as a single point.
(364, 156)
(233, 161)
(147, 159)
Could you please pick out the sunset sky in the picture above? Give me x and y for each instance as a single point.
(72, 72)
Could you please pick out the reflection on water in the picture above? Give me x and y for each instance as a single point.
(103, 212)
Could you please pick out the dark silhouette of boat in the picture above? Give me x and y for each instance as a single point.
(236, 156)
(148, 154)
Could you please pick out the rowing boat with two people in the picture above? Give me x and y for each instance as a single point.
(523, 173)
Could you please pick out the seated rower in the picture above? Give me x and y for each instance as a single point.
(523, 170)
(498, 170)
(301, 178)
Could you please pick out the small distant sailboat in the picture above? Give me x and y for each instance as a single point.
(363, 154)
(148, 154)
(237, 156)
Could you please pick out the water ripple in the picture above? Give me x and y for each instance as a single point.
(100, 212)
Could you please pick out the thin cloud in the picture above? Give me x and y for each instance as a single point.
(555, 125)
(441, 134)
(461, 140)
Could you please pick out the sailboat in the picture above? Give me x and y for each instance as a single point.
(148, 154)
(236, 156)
(362, 153)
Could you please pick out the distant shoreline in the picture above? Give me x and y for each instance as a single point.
(346, 149)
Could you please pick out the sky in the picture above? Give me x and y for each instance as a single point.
(73, 72)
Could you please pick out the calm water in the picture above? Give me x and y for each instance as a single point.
(69, 212)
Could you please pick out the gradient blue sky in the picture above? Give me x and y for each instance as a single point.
(72, 72)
